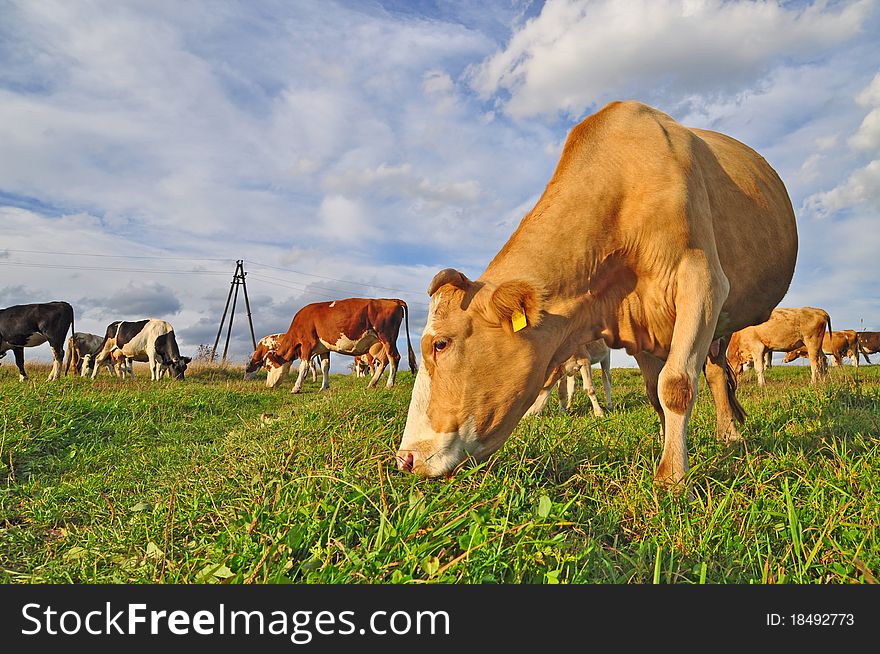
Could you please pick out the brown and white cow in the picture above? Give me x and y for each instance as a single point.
(839, 344)
(869, 343)
(646, 236)
(348, 326)
(274, 374)
(365, 364)
(149, 339)
(787, 329)
(565, 378)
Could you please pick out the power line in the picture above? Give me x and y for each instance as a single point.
(190, 258)
(299, 287)
(111, 269)
(116, 256)
(333, 279)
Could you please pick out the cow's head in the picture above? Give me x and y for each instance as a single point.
(479, 374)
(255, 363)
(177, 366)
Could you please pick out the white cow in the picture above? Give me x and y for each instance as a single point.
(565, 375)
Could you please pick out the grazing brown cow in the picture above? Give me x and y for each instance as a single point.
(839, 344)
(350, 327)
(274, 374)
(565, 378)
(869, 343)
(646, 236)
(784, 331)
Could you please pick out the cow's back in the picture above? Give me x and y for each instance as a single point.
(635, 192)
(754, 226)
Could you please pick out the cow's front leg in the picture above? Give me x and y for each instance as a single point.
(700, 293)
(154, 364)
(297, 385)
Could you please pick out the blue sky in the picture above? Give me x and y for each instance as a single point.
(351, 148)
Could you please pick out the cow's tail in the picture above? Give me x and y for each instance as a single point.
(412, 356)
(68, 356)
(739, 413)
(822, 360)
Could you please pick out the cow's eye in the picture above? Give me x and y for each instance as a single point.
(440, 344)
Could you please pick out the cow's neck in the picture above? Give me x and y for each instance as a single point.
(573, 259)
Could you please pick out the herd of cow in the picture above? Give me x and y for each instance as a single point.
(151, 340)
(366, 329)
(673, 243)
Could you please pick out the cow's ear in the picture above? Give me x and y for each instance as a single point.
(516, 305)
(449, 276)
(186, 360)
(274, 358)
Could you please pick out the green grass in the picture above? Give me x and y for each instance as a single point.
(221, 480)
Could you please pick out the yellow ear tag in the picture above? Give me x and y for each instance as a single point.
(518, 320)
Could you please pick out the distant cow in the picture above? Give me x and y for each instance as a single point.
(839, 344)
(29, 325)
(786, 330)
(365, 364)
(348, 326)
(81, 350)
(869, 343)
(151, 339)
(276, 374)
(565, 375)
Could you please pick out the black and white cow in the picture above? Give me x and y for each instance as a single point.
(151, 339)
(29, 325)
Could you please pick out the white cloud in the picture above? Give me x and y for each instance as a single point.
(344, 218)
(575, 55)
(868, 135)
(399, 182)
(861, 188)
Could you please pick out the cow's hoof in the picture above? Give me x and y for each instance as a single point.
(729, 435)
(295, 391)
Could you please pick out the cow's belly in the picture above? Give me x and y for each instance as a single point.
(32, 341)
(352, 346)
(133, 352)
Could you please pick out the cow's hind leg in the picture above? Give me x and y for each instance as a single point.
(758, 361)
(818, 362)
(606, 381)
(651, 367)
(722, 384)
(565, 390)
(58, 363)
(19, 362)
(325, 371)
(590, 388)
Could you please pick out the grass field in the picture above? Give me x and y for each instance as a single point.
(218, 480)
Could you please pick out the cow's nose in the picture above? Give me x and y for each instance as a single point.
(405, 461)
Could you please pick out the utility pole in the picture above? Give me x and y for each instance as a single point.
(238, 279)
